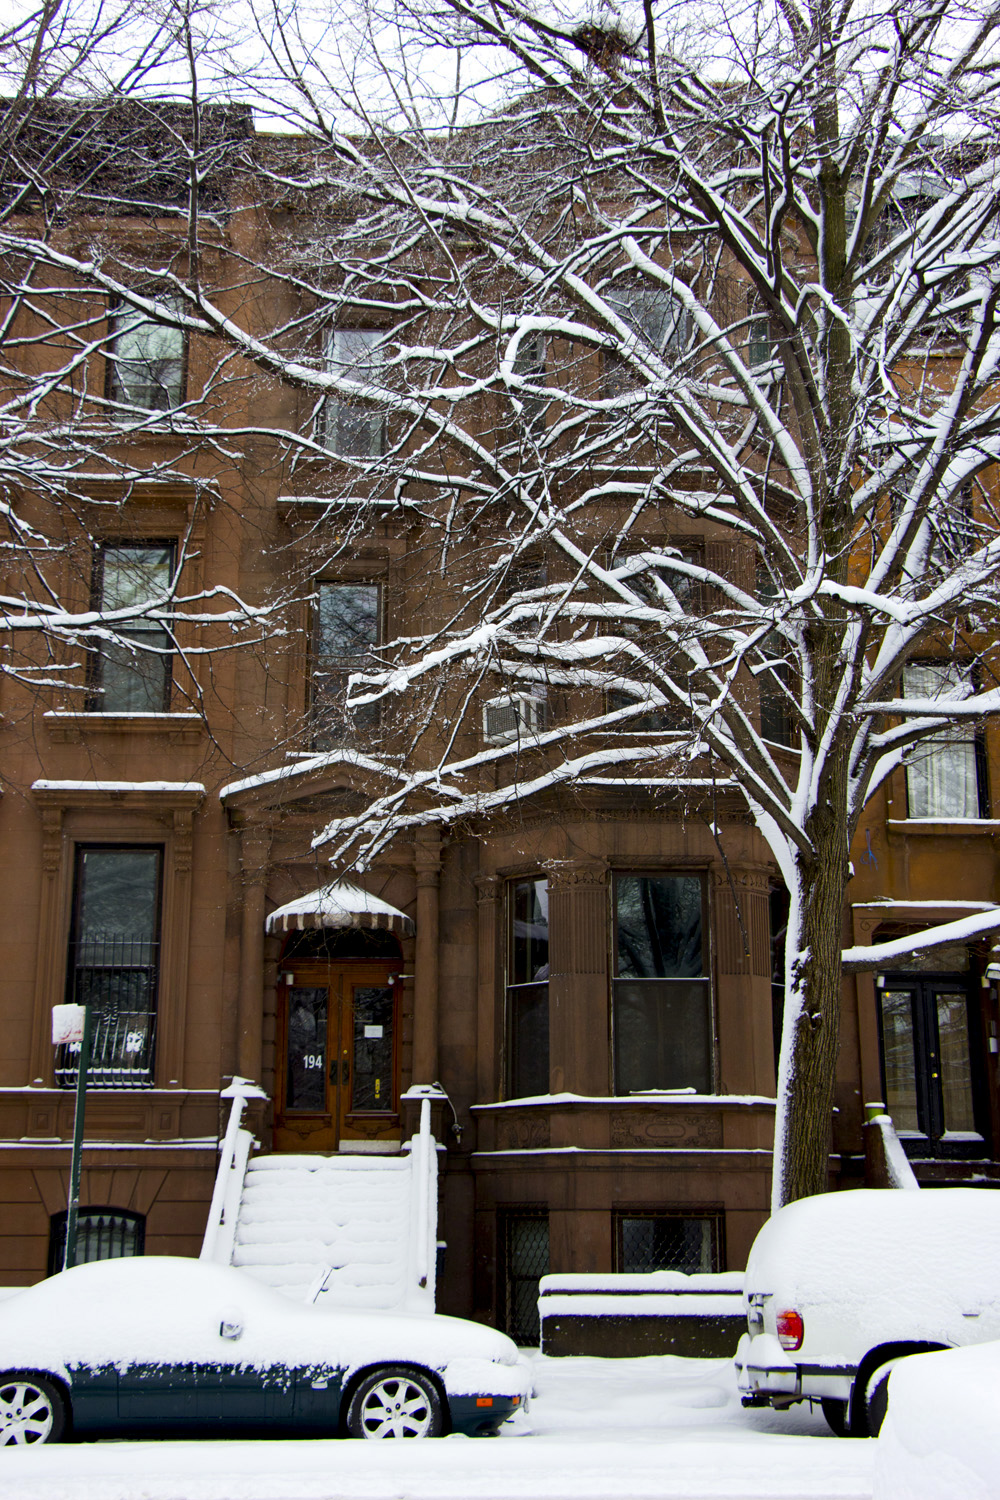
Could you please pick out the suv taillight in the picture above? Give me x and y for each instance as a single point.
(790, 1329)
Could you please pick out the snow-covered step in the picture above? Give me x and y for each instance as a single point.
(362, 1216)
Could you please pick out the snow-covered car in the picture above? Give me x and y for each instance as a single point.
(157, 1345)
(840, 1287)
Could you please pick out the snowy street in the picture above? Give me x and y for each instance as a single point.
(597, 1430)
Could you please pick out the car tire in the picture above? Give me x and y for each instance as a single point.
(32, 1409)
(877, 1397)
(835, 1413)
(395, 1402)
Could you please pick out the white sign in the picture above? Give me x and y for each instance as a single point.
(373, 1033)
(67, 1024)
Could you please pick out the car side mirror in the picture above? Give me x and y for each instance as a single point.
(231, 1326)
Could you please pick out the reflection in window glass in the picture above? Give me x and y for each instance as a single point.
(661, 1020)
(528, 989)
(305, 1086)
(147, 363)
(953, 1051)
(659, 926)
(900, 1060)
(346, 633)
(132, 674)
(942, 777)
(355, 429)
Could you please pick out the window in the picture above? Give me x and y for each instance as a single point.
(355, 429)
(524, 1260)
(101, 1234)
(932, 1071)
(657, 319)
(346, 631)
(529, 365)
(945, 776)
(528, 989)
(759, 350)
(661, 1011)
(132, 674)
(146, 363)
(114, 962)
(666, 1242)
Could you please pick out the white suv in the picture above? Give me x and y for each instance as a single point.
(840, 1287)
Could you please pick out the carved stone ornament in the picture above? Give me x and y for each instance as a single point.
(525, 1132)
(564, 873)
(652, 1128)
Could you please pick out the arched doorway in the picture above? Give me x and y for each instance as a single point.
(338, 1042)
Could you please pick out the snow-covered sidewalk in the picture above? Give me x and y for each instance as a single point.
(598, 1429)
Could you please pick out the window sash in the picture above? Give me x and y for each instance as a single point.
(527, 988)
(346, 631)
(146, 364)
(943, 776)
(132, 678)
(355, 430)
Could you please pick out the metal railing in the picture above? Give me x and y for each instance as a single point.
(117, 977)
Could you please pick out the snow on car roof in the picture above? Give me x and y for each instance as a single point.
(880, 1253)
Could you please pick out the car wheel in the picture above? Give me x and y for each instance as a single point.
(835, 1413)
(31, 1409)
(395, 1403)
(877, 1397)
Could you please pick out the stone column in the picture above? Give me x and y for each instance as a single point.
(51, 951)
(255, 847)
(742, 933)
(427, 859)
(489, 1039)
(579, 1058)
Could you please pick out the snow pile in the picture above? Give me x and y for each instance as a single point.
(874, 1262)
(941, 1436)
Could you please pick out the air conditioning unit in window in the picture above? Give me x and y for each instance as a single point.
(514, 716)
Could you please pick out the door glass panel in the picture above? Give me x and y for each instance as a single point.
(900, 1059)
(956, 1071)
(306, 1084)
(372, 1074)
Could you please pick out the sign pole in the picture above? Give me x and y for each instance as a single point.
(76, 1156)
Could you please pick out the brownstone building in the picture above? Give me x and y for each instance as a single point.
(589, 978)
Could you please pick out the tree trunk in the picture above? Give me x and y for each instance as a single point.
(808, 1066)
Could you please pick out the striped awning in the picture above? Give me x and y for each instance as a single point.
(339, 905)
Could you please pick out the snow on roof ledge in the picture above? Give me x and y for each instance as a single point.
(338, 905)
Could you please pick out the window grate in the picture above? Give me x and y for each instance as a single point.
(667, 1242)
(101, 1234)
(116, 976)
(524, 1240)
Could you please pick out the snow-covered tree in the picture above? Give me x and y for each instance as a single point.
(671, 334)
(675, 333)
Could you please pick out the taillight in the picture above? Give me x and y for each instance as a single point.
(790, 1329)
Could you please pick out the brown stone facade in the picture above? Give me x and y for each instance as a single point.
(217, 796)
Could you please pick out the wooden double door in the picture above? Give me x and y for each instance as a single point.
(338, 1035)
